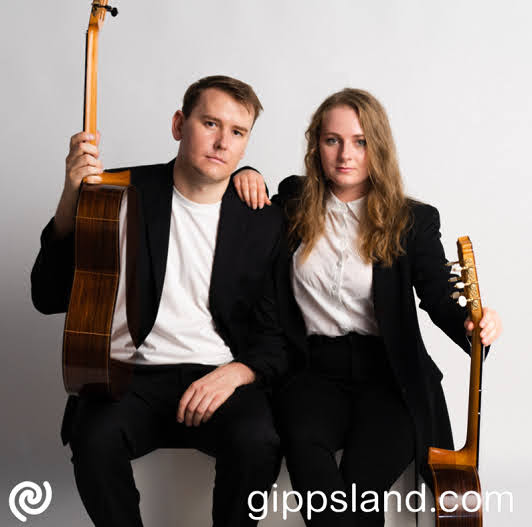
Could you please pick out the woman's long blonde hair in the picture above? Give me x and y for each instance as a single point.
(387, 213)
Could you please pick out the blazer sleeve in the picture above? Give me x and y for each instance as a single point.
(53, 272)
(267, 352)
(289, 188)
(430, 276)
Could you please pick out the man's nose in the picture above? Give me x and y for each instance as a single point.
(222, 140)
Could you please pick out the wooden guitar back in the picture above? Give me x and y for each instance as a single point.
(464, 483)
(87, 366)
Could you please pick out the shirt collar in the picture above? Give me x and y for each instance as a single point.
(337, 205)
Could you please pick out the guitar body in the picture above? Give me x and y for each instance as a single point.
(87, 365)
(461, 480)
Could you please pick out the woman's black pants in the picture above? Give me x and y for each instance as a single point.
(346, 399)
(107, 436)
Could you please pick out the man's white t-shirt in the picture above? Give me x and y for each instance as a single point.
(184, 330)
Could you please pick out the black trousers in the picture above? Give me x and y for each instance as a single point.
(346, 398)
(107, 436)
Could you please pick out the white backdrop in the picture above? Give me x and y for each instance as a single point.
(455, 79)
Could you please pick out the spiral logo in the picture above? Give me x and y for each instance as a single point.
(27, 496)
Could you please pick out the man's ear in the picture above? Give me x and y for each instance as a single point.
(177, 125)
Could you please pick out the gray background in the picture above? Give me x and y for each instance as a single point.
(455, 79)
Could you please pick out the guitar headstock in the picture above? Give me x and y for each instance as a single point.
(467, 283)
(98, 10)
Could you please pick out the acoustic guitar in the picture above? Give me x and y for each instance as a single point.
(87, 365)
(457, 489)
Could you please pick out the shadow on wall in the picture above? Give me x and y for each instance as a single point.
(176, 489)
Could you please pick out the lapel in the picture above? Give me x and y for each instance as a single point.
(157, 213)
(229, 244)
(154, 185)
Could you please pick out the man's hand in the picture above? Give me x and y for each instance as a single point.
(250, 188)
(82, 162)
(204, 396)
(490, 324)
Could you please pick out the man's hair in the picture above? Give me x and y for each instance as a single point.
(238, 90)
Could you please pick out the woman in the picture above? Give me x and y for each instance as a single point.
(360, 246)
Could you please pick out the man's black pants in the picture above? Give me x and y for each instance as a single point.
(106, 436)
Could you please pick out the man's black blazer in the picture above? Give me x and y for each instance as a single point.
(244, 281)
(422, 268)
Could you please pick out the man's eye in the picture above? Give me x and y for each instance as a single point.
(210, 124)
(237, 132)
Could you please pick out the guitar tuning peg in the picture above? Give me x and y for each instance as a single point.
(462, 301)
(458, 266)
(460, 284)
(108, 8)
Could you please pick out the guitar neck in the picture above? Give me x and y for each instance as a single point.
(91, 82)
(96, 18)
(468, 455)
(475, 393)
(471, 288)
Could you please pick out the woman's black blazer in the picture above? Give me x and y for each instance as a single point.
(422, 268)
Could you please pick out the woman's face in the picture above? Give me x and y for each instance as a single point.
(343, 153)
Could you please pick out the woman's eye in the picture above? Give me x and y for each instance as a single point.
(361, 142)
(331, 141)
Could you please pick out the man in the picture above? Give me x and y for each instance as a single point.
(205, 271)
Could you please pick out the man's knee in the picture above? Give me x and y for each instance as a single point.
(98, 444)
(252, 440)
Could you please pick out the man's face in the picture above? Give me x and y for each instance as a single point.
(213, 137)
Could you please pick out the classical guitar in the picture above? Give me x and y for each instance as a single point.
(455, 473)
(87, 365)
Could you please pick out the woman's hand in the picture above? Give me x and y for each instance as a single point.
(490, 324)
(250, 188)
